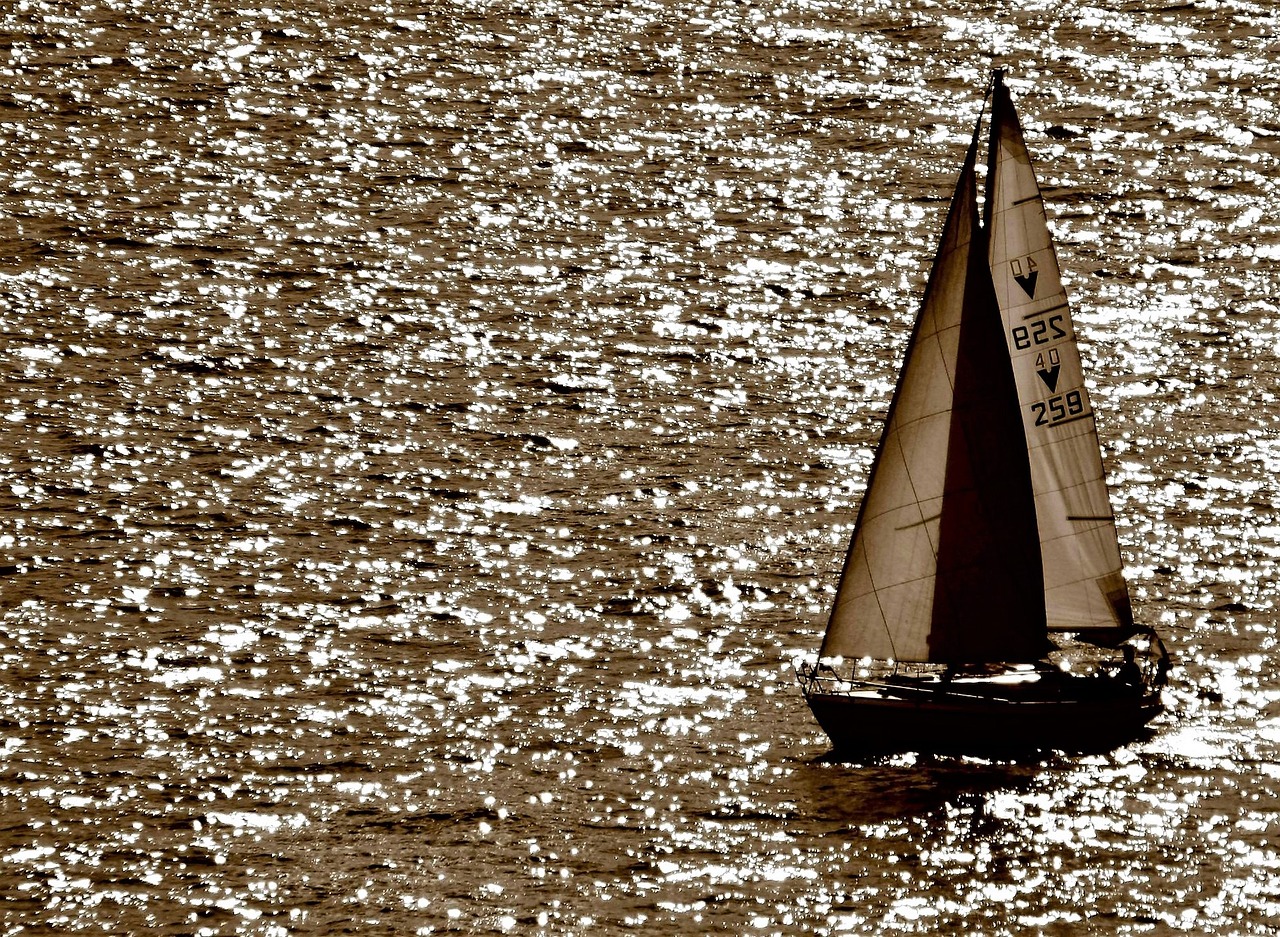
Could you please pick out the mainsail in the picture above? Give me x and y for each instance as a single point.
(1083, 572)
(986, 520)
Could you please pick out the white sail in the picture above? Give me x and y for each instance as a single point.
(943, 565)
(884, 603)
(1084, 582)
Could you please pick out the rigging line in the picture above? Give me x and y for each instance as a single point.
(988, 187)
(996, 75)
(888, 631)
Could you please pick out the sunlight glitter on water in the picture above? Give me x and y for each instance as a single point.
(427, 437)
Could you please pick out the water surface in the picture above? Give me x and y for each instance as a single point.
(427, 433)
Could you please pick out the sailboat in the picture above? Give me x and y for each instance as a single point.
(984, 571)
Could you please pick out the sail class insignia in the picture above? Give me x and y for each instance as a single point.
(1050, 376)
(1025, 275)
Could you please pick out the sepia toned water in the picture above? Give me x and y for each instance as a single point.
(429, 432)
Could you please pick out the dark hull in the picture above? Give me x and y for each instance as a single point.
(898, 719)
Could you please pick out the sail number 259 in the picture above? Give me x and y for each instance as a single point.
(1059, 408)
(1040, 332)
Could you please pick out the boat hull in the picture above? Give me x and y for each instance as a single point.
(897, 720)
